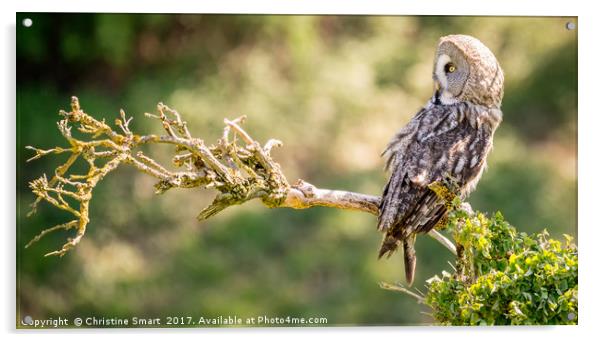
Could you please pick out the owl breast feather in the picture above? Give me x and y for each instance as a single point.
(440, 141)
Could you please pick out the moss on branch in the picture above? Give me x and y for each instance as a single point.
(237, 166)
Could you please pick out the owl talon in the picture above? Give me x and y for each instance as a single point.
(442, 223)
(445, 190)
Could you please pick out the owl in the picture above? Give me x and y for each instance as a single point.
(448, 139)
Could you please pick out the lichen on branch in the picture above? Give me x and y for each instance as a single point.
(237, 166)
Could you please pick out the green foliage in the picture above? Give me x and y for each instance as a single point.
(505, 277)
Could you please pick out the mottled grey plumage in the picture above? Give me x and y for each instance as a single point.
(450, 137)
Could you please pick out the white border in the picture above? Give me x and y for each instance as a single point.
(432, 7)
(590, 194)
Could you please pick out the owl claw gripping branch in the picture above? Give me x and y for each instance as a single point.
(449, 138)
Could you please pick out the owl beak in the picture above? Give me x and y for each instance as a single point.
(437, 94)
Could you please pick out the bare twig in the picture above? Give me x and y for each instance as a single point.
(402, 289)
(238, 173)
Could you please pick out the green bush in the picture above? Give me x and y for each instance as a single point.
(505, 277)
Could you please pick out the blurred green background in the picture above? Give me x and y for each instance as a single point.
(335, 89)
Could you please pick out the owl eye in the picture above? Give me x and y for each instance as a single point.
(449, 68)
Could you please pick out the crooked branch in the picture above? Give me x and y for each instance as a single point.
(237, 166)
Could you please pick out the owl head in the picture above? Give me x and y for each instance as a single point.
(465, 70)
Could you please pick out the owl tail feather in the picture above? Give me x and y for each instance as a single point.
(409, 258)
(390, 244)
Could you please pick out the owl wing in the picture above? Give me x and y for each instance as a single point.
(437, 142)
(408, 164)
